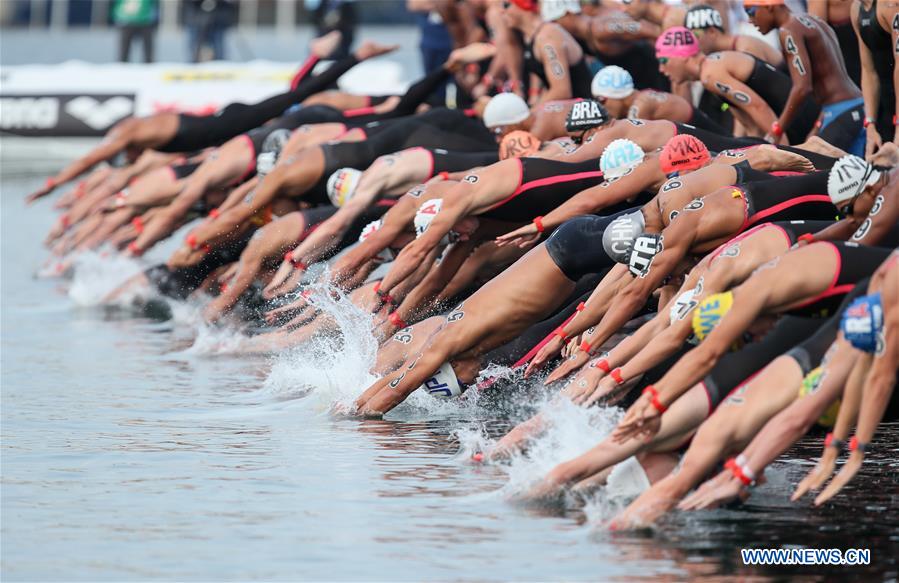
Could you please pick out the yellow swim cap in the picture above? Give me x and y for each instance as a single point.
(709, 312)
(810, 385)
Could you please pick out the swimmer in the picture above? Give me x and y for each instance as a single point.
(756, 90)
(816, 67)
(614, 88)
(174, 132)
(877, 26)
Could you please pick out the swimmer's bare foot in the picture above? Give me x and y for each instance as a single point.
(370, 49)
(323, 46)
(471, 53)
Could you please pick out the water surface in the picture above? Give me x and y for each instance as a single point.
(128, 455)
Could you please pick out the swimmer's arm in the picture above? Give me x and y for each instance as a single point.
(230, 220)
(394, 223)
(749, 302)
(239, 193)
(870, 78)
(839, 231)
(328, 234)
(678, 239)
(718, 80)
(555, 65)
(455, 207)
(788, 426)
(422, 299)
(643, 107)
(405, 381)
(882, 379)
(596, 305)
(799, 64)
(117, 141)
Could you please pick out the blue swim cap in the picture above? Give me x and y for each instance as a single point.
(620, 156)
(612, 82)
(862, 323)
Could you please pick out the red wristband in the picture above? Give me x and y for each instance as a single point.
(616, 376)
(395, 319)
(807, 237)
(65, 221)
(138, 223)
(655, 399)
(737, 471)
(297, 264)
(135, 250)
(191, 241)
(538, 222)
(895, 118)
(214, 213)
(561, 334)
(585, 346)
(50, 183)
(867, 122)
(856, 445)
(581, 306)
(603, 365)
(776, 130)
(443, 175)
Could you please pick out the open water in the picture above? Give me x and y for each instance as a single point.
(149, 448)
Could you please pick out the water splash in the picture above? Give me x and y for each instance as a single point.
(99, 273)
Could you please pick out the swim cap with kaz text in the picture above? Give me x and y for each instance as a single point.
(586, 115)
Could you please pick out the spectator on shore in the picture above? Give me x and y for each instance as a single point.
(136, 20)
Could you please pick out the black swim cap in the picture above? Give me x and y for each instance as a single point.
(703, 16)
(586, 115)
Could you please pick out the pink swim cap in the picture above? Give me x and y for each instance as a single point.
(677, 41)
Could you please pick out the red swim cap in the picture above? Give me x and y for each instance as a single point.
(529, 5)
(683, 152)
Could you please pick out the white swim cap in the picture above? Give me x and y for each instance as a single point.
(505, 109)
(620, 156)
(265, 162)
(444, 383)
(385, 255)
(849, 177)
(618, 237)
(682, 306)
(612, 82)
(342, 185)
(551, 10)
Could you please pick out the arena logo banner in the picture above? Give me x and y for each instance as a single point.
(63, 115)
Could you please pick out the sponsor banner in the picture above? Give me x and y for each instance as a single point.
(63, 115)
(83, 99)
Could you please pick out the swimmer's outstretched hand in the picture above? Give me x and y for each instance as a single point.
(819, 474)
(850, 468)
(641, 420)
(572, 363)
(41, 192)
(325, 45)
(524, 237)
(717, 491)
(548, 351)
(887, 155)
(370, 49)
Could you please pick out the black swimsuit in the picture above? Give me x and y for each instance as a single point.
(856, 262)
(787, 198)
(774, 87)
(544, 185)
(880, 44)
(579, 72)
